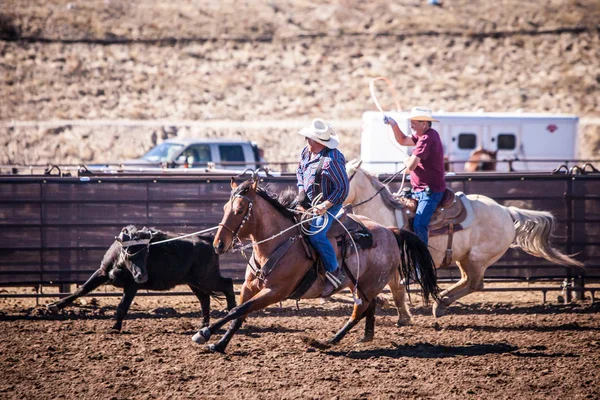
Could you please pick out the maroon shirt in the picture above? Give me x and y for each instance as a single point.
(430, 171)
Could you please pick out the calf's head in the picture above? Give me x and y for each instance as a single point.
(134, 251)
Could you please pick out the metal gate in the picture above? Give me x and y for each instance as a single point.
(56, 229)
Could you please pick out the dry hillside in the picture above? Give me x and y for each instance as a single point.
(203, 60)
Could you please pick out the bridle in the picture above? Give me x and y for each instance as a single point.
(353, 175)
(244, 219)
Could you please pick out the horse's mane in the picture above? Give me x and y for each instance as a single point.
(388, 198)
(282, 202)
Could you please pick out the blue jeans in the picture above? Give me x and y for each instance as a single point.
(320, 241)
(427, 205)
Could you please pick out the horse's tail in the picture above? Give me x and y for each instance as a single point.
(534, 229)
(416, 263)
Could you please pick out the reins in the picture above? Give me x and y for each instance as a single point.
(384, 183)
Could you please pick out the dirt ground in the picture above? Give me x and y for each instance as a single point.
(493, 344)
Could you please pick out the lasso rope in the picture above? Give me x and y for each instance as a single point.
(184, 236)
(394, 94)
(306, 217)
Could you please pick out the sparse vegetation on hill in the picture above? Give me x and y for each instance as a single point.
(201, 60)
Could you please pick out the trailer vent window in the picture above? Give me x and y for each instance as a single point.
(467, 141)
(507, 141)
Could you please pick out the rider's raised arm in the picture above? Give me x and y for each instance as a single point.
(401, 138)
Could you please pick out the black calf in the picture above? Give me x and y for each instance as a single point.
(132, 262)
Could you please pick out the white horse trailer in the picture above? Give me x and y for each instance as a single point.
(540, 141)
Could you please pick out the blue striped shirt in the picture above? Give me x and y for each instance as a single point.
(334, 180)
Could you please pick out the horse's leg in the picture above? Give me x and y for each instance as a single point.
(357, 315)
(236, 324)
(399, 294)
(204, 300)
(261, 300)
(471, 281)
(128, 295)
(92, 283)
(370, 322)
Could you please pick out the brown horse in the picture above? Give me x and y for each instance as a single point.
(255, 214)
(481, 159)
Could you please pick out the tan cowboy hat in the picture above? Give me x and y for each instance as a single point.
(322, 132)
(421, 114)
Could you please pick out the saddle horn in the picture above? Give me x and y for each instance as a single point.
(244, 173)
(265, 170)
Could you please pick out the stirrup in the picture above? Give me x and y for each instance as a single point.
(333, 279)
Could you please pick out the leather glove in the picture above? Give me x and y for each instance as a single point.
(389, 121)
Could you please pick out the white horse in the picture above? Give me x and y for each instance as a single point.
(493, 231)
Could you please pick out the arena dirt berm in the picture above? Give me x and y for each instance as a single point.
(201, 61)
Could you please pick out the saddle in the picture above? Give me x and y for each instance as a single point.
(449, 212)
(361, 236)
(450, 216)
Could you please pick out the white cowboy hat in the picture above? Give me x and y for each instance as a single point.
(421, 114)
(322, 132)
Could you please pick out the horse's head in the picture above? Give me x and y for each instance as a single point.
(236, 213)
(134, 250)
(481, 159)
(353, 169)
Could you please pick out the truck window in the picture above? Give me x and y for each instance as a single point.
(231, 153)
(199, 153)
(507, 141)
(163, 152)
(467, 141)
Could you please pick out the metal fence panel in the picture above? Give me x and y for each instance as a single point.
(57, 229)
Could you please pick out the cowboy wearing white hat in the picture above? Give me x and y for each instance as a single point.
(426, 165)
(322, 188)
(321, 132)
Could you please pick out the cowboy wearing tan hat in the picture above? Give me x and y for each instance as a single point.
(322, 179)
(426, 165)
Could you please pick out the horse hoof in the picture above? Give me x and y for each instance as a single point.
(382, 302)
(439, 310)
(403, 322)
(52, 308)
(201, 336)
(366, 339)
(213, 348)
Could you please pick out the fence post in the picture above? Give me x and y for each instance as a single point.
(576, 212)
